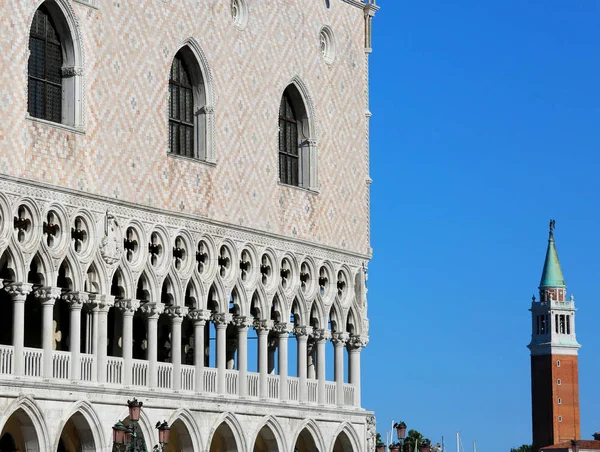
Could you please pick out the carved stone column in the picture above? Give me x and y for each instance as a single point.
(311, 348)
(355, 345)
(283, 333)
(199, 317)
(47, 297)
(339, 340)
(301, 333)
(128, 308)
(242, 324)
(18, 293)
(152, 311)
(221, 321)
(320, 337)
(176, 313)
(103, 305)
(262, 328)
(272, 341)
(75, 300)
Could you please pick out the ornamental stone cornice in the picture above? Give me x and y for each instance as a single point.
(221, 319)
(176, 311)
(75, 300)
(303, 331)
(321, 335)
(261, 325)
(47, 295)
(152, 310)
(19, 291)
(199, 315)
(126, 306)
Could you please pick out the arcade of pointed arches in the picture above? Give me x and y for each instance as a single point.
(23, 427)
(142, 297)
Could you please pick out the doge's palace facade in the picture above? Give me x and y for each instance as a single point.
(184, 219)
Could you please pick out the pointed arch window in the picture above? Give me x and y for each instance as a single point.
(190, 116)
(55, 75)
(297, 147)
(44, 69)
(288, 143)
(181, 109)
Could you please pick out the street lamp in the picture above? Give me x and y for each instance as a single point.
(128, 438)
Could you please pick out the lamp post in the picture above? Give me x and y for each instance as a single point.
(129, 438)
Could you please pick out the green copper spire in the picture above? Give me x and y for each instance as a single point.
(552, 275)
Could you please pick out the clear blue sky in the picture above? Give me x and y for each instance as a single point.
(486, 125)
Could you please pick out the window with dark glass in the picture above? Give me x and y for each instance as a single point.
(181, 109)
(44, 69)
(288, 143)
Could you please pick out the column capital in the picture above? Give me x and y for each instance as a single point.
(356, 342)
(75, 300)
(152, 310)
(18, 291)
(339, 338)
(242, 322)
(282, 328)
(303, 331)
(176, 312)
(101, 302)
(261, 325)
(221, 319)
(321, 335)
(47, 295)
(127, 306)
(199, 316)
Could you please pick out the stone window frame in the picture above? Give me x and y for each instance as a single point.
(303, 106)
(65, 22)
(204, 98)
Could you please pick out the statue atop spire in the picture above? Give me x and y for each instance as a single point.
(552, 227)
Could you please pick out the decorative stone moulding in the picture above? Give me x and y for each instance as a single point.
(248, 266)
(342, 285)
(226, 261)
(55, 230)
(268, 270)
(135, 245)
(183, 255)
(239, 13)
(27, 231)
(288, 274)
(83, 237)
(5, 222)
(205, 258)
(327, 44)
(159, 252)
(325, 281)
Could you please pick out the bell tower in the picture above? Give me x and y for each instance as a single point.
(554, 348)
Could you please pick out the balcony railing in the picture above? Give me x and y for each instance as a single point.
(61, 367)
